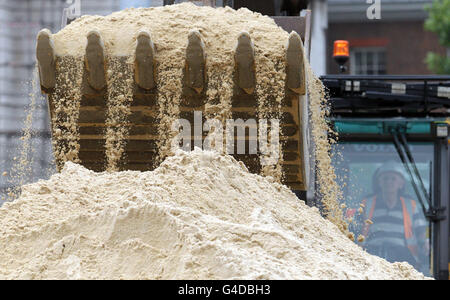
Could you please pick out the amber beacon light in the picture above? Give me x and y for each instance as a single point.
(341, 54)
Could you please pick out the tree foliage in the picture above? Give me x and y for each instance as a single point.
(439, 22)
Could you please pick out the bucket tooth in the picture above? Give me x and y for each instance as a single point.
(95, 61)
(195, 62)
(295, 73)
(145, 63)
(245, 63)
(45, 54)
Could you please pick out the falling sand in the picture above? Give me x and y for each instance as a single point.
(22, 166)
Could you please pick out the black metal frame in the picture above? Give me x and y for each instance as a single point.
(390, 77)
(441, 200)
(350, 100)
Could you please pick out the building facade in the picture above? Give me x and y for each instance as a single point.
(396, 43)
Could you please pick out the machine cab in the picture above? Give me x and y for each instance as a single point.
(392, 161)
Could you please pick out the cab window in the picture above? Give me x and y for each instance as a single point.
(382, 203)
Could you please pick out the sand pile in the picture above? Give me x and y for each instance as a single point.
(169, 27)
(200, 215)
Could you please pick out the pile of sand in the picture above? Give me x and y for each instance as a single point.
(200, 215)
(169, 27)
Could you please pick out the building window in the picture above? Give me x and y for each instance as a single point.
(368, 61)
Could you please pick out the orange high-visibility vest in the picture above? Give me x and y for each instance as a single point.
(408, 207)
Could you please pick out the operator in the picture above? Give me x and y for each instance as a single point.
(391, 222)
